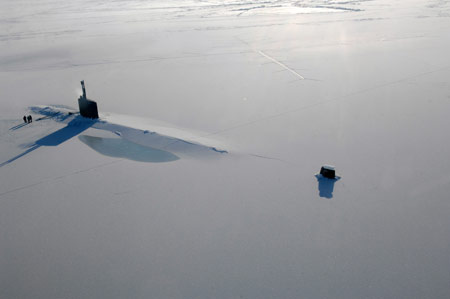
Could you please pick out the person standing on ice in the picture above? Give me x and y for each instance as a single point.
(29, 118)
(24, 119)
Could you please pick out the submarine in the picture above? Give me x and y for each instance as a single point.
(88, 108)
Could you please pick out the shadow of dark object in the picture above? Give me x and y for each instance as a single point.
(326, 185)
(73, 128)
(18, 126)
(49, 112)
(121, 148)
(29, 150)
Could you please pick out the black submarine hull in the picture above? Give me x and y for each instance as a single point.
(88, 108)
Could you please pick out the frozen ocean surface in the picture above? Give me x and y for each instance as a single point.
(198, 181)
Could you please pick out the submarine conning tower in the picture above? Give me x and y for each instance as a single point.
(88, 108)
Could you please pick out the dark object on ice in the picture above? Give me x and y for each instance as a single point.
(29, 119)
(326, 180)
(24, 119)
(88, 108)
(328, 171)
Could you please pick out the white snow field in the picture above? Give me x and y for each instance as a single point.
(199, 178)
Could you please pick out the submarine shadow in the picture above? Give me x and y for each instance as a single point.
(73, 128)
(122, 148)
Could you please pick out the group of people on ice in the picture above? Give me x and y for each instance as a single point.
(27, 119)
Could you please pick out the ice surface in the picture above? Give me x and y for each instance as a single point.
(86, 212)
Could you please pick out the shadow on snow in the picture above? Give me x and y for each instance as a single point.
(18, 126)
(73, 128)
(326, 185)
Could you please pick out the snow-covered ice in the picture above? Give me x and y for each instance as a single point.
(198, 180)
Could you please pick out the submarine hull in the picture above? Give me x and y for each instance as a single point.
(88, 108)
